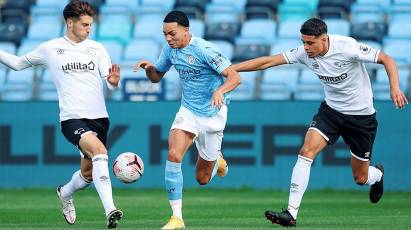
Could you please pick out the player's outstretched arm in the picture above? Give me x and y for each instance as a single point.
(12, 61)
(114, 75)
(397, 96)
(260, 63)
(151, 71)
(232, 81)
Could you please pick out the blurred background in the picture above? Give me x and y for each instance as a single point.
(270, 110)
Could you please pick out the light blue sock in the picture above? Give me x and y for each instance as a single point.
(174, 180)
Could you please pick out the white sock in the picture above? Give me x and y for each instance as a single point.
(101, 179)
(176, 206)
(374, 175)
(76, 183)
(299, 183)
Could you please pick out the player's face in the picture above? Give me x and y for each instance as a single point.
(80, 28)
(176, 36)
(315, 45)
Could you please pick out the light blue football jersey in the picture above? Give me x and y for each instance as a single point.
(199, 65)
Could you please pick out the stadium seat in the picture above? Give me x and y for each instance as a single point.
(47, 92)
(239, 4)
(247, 89)
(115, 27)
(27, 46)
(166, 5)
(19, 85)
(368, 31)
(150, 13)
(191, 12)
(399, 29)
(345, 5)
(384, 4)
(283, 45)
(263, 29)
(399, 49)
(131, 4)
(290, 29)
(331, 12)
(41, 30)
(400, 13)
(225, 47)
(249, 51)
(270, 4)
(114, 49)
(23, 5)
(259, 12)
(381, 92)
(294, 12)
(338, 26)
(141, 49)
(222, 13)
(45, 14)
(367, 13)
(52, 3)
(278, 83)
(9, 47)
(149, 30)
(12, 32)
(403, 75)
(197, 28)
(199, 4)
(222, 31)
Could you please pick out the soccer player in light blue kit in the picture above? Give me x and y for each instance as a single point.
(203, 112)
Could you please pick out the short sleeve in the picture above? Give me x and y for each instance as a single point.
(38, 56)
(104, 62)
(363, 52)
(295, 55)
(163, 63)
(215, 59)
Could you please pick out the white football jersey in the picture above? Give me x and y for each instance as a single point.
(78, 71)
(341, 70)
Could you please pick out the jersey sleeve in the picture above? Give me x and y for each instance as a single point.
(215, 59)
(363, 52)
(295, 55)
(38, 56)
(163, 63)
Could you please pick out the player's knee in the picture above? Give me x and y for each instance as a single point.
(307, 152)
(360, 179)
(173, 156)
(203, 179)
(87, 175)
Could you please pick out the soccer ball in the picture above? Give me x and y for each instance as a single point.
(128, 167)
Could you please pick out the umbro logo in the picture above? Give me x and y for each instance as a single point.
(60, 51)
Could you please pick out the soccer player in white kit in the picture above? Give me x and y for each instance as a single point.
(347, 110)
(79, 66)
(203, 112)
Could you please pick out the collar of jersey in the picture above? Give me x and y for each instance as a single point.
(72, 42)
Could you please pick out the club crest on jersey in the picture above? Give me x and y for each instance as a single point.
(364, 49)
(293, 50)
(92, 52)
(191, 59)
(315, 65)
(60, 51)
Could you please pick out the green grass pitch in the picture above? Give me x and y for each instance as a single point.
(207, 209)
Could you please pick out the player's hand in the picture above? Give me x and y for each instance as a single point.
(114, 75)
(399, 99)
(217, 99)
(143, 64)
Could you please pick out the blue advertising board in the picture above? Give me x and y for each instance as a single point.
(261, 143)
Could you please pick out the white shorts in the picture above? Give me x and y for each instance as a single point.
(208, 131)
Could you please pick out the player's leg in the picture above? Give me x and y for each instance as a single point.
(210, 160)
(313, 144)
(95, 149)
(323, 130)
(179, 141)
(80, 180)
(360, 135)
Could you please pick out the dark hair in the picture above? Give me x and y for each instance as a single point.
(77, 8)
(177, 16)
(314, 26)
